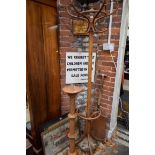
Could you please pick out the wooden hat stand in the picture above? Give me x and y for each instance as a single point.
(91, 17)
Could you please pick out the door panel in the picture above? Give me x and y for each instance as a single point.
(49, 23)
(43, 75)
(35, 62)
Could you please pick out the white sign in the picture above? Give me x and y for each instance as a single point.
(77, 67)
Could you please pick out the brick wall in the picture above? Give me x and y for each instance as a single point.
(70, 43)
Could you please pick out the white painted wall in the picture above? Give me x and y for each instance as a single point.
(121, 52)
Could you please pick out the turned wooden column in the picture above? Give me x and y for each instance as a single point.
(72, 91)
(89, 85)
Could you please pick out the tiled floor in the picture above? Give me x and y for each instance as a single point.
(122, 150)
(122, 140)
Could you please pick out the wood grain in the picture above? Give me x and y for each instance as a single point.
(51, 3)
(43, 79)
(52, 71)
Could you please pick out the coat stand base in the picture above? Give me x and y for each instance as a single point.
(72, 91)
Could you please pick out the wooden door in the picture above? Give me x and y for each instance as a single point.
(42, 58)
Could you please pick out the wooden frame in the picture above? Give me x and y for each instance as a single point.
(47, 2)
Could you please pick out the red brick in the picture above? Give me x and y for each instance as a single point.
(65, 27)
(110, 84)
(65, 100)
(108, 88)
(116, 47)
(108, 93)
(106, 111)
(105, 96)
(68, 39)
(64, 109)
(99, 62)
(62, 61)
(105, 53)
(107, 106)
(67, 49)
(113, 69)
(98, 86)
(105, 58)
(65, 33)
(110, 98)
(65, 103)
(62, 85)
(108, 63)
(116, 25)
(111, 74)
(64, 44)
(107, 68)
(112, 79)
(115, 54)
(64, 21)
(103, 101)
(63, 76)
(107, 79)
(119, 11)
(104, 105)
(65, 2)
(63, 13)
(64, 95)
(117, 18)
(115, 42)
(62, 80)
(62, 56)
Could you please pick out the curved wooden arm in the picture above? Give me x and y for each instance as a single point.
(73, 16)
(77, 17)
(92, 21)
(99, 10)
(79, 13)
